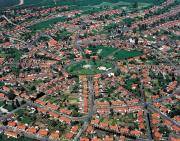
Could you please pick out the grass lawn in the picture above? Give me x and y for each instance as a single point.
(8, 107)
(5, 138)
(7, 3)
(1, 84)
(20, 112)
(73, 100)
(124, 54)
(83, 2)
(102, 51)
(80, 68)
(1, 103)
(11, 53)
(47, 24)
(26, 120)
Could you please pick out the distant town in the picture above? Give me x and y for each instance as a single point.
(90, 70)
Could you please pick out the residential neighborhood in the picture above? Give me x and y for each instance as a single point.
(99, 70)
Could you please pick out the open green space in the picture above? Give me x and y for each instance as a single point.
(83, 2)
(9, 107)
(11, 53)
(8, 3)
(47, 24)
(1, 103)
(1, 84)
(24, 117)
(124, 54)
(5, 138)
(102, 51)
(88, 67)
(117, 54)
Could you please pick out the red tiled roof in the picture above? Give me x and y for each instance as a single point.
(11, 134)
(69, 135)
(42, 132)
(31, 130)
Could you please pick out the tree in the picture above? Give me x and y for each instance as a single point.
(17, 103)
(135, 4)
(11, 96)
(13, 105)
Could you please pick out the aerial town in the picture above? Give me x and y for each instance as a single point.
(90, 70)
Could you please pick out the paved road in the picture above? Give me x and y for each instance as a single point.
(91, 97)
(146, 112)
(9, 21)
(83, 128)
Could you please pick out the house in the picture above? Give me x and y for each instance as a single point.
(108, 138)
(65, 111)
(31, 130)
(51, 106)
(135, 133)
(65, 119)
(90, 129)
(74, 129)
(122, 138)
(52, 43)
(95, 122)
(54, 115)
(11, 134)
(21, 127)
(44, 111)
(55, 135)
(124, 130)
(12, 123)
(2, 95)
(69, 135)
(95, 139)
(40, 102)
(84, 139)
(43, 132)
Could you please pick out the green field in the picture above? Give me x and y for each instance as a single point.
(116, 53)
(8, 3)
(5, 138)
(83, 2)
(123, 54)
(47, 24)
(102, 51)
(11, 53)
(1, 103)
(79, 67)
